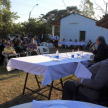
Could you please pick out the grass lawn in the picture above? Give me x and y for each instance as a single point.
(11, 86)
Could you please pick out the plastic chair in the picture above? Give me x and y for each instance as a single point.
(43, 49)
(49, 45)
(44, 44)
(6, 57)
(29, 52)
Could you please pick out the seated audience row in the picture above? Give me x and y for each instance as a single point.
(17, 46)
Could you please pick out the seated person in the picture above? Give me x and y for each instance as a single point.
(25, 44)
(98, 80)
(70, 40)
(33, 47)
(20, 49)
(38, 41)
(63, 39)
(8, 50)
(11, 44)
(15, 41)
(2, 46)
(102, 51)
(89, 44)
(75, 40)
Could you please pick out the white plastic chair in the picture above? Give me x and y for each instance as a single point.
(49, 45)
(42, 48)
(29, 52)
(6, 57)
(44, 44)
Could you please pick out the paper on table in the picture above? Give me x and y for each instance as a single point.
(59, 104)
(82, 72)
(86, 56)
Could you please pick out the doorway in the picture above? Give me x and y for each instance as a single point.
(82, 35)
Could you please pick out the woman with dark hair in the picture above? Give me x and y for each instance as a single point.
(19, 49)
(15, 41)
(102, 51)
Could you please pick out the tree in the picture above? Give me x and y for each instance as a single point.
(87, 8)
(58, 14)
(6, 18)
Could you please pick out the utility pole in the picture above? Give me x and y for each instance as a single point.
(106, 7)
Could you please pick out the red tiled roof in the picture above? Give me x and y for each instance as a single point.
(103, 22)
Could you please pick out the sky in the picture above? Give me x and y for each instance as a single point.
(23, 7)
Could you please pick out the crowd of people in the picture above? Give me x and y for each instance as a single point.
(98, 68)
(18, 47)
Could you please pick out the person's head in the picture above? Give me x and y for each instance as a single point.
(4, 41)
(32, 40)
(89, 40)
(100, 40)
(11, 42)
(0, 40)
(36, 37)
(8, 44)
(19, 43)
(15, 40)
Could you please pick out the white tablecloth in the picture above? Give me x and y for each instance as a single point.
(72, 43)
(30, 104)
(47, 66)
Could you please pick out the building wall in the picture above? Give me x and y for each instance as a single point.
(71, 26)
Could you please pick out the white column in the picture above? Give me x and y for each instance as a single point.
(53, 27)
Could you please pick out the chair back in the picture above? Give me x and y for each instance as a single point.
(44, 44)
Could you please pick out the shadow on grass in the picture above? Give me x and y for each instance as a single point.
(4, 74)
(29, 96)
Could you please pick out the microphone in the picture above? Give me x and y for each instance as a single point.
(92, 44)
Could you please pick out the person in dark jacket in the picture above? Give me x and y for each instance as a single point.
(2, 46)
(102, 51)
(89, 44)
(20, 49)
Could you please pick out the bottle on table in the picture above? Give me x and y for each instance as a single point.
(78, 54)
(57, 54)
(72, 53)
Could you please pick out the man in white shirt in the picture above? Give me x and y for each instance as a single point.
(56, 38)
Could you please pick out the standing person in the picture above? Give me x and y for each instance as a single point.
(42, 38)
(31, 35)
(51, 38)
(23, 34)
(38, 41)
(102, 51)
(56, 38)
(2, 46)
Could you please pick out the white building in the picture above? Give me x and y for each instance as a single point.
(76, 26)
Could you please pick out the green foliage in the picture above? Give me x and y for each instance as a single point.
(87, 8)
(58, 14)
(6, 18)
(36, 26)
